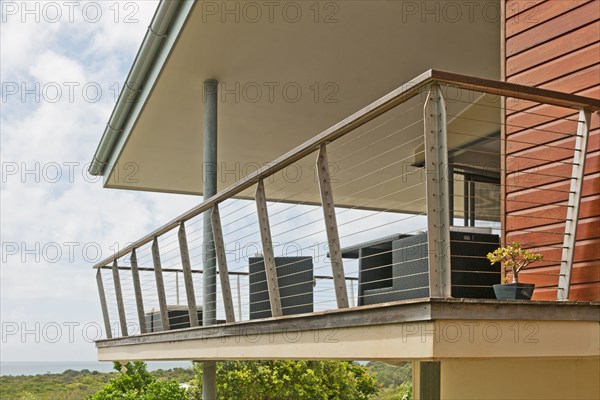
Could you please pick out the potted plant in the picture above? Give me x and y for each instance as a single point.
(517, 259)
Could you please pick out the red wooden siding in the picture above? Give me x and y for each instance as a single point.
(554, 44)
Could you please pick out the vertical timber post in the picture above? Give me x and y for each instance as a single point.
(137, 289)
(209, 281)
(577, 177)
(160, 287)
(438, 209)
(119, 296)
(103, 304)
(268, 255)
(333, 238)
(222, 262)
(187, 275)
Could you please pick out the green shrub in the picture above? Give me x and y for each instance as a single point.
(136, 383)
(283, 380)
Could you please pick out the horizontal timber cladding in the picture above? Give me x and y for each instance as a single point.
(552, 44)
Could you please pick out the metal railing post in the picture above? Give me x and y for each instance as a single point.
(268, 256)
(438, 210)
(119, 296)
(576, 187)
(187, 275)
(137, 289)
(160, 286)
(333, 238)
(222, 263)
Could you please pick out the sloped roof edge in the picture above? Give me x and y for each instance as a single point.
(167, 24)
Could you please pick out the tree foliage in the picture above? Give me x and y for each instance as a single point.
(69, 385)
(390, 375)
(306, 380)
(282, 380)
(400, 392)
(136, 383)
(394, 381)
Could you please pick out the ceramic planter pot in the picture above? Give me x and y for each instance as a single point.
(514, 291)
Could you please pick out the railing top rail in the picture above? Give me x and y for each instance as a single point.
(359, 118)
(517, 91)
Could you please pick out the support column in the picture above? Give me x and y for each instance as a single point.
(438, 213)
(209, 176)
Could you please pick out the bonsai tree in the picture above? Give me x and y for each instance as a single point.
(514, 257)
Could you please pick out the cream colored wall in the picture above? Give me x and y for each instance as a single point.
(530, 379)
(440, 340)
(377, 342)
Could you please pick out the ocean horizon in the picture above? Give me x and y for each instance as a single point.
(17, 368)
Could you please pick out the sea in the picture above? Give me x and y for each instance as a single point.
(15, 368)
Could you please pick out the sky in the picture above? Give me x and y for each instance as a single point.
(61, 66)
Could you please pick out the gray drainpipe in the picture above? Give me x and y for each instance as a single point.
(161, 22)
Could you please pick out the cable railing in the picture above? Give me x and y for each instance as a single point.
(401, 200)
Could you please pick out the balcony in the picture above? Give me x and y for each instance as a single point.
(383, 220)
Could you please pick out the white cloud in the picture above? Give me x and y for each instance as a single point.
(40, 138)
(42, 135)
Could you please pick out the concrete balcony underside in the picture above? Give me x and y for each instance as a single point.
(427, 329)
